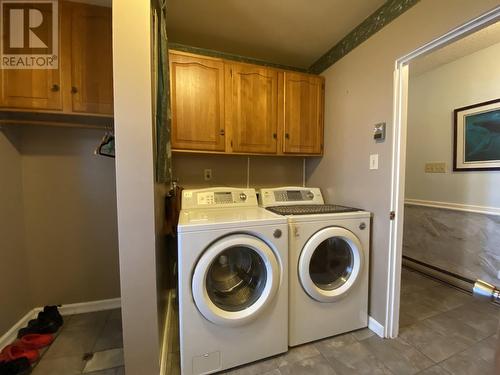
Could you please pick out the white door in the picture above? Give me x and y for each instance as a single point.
(330, 264)
(235, 279)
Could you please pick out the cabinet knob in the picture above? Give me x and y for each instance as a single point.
(287, 136)
(275, 136)
(74, 90)
(54, 88)
(222, 132)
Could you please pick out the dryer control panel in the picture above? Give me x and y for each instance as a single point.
(218, 198)
(288, 196)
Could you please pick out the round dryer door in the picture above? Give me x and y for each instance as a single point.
(330, 264)
(235, 279)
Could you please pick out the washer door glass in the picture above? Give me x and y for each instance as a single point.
(236, 278)
(330, 264)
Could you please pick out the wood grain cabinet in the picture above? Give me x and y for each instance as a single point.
(31, 88)
(83, 83)
(89, 54)
(303, 114)
(251, 108)
(197, 99)
(224, 106)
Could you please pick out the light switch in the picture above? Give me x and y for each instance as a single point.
(374, 161)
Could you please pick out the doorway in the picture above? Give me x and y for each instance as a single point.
(403, 76)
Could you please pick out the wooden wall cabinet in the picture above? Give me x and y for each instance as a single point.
(303, 114)
(252, 108)
(83, 83)
(228, 107)
(197, 98)
(90, 78)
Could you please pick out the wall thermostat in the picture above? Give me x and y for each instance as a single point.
(379, 132)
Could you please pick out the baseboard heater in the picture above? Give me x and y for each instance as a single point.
(448, 277)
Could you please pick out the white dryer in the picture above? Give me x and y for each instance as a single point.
(233, 280)
(328, 260)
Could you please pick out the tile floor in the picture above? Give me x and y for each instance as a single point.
(443, 331)
(86, 344)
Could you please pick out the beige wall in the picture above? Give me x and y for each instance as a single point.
(432, 97)
(359, 94)
(14, 290)
(58, 220)
(229, 170)
(140, 238)
(70, 216)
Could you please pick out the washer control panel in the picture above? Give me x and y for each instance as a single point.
(218, 197)
(290, 196)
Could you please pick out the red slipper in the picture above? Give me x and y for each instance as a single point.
(15, 351)
(35, 341)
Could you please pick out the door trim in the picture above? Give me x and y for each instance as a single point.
(202, 300)
(307, 252)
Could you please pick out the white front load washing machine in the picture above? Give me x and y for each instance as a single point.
(233, 280)
(328, 260)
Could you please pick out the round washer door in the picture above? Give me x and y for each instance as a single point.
(330, 264)
(235, 279)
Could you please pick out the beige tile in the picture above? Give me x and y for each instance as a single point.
(104, 360)
(255, 368)
(71, 365)
(465, 363)
(297, 353)
(317, 365)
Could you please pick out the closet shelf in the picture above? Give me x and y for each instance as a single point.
(9, 117)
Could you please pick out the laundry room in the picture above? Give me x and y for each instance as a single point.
(231, 187)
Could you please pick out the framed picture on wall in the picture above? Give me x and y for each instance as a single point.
(477, 137)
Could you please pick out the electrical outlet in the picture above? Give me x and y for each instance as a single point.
(435, 167)
(207, 174)
(374, 161)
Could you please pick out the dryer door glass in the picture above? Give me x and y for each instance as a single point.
(331, 263)
(236, 278)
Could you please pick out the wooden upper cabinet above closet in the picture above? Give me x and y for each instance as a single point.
(303, 114)
(83, 83)
(197, 98)
(31, 88)
(251, 108)
(90, 57)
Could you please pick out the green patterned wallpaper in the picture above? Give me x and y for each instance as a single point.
(229, 56)
(380, 18)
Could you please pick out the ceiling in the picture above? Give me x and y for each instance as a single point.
(474, 42)
(288, 32)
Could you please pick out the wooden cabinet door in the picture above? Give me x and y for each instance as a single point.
(91, 59)
(197, 99)
(31, 88)
(252, 99)
(303, 114)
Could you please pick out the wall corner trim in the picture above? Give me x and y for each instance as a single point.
(70, 309)
(384, 15)
(375, 327)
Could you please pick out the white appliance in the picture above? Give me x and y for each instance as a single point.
(233, 280)
(329, 263)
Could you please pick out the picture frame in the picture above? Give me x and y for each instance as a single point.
(476, 145)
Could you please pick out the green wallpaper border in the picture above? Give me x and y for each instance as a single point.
(230, 56)
(375, 22)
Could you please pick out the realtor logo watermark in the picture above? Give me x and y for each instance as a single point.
(29, 34)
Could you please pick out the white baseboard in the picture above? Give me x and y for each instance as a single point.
(70, 309)
(375, 327)
(455, 206)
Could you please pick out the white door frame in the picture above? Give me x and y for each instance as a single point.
(391, 326)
